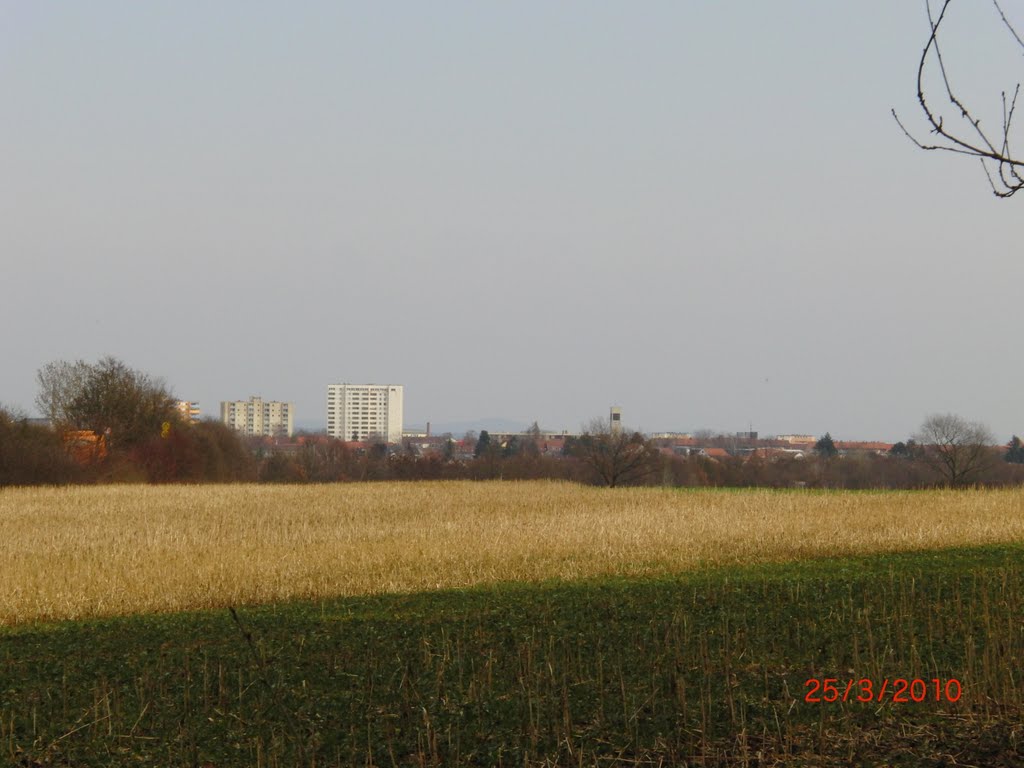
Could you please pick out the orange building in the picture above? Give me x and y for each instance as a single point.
(85, 446)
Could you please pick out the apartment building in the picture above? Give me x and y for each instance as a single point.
(257, 416)
(189, 410)
(357, 412)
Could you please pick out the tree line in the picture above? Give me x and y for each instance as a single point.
(133, 432)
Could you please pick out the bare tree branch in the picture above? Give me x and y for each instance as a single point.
(1007, 178)
(1009, 26)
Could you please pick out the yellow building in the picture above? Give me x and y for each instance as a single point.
(189, 410)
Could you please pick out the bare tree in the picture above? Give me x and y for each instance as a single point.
(959, 451)
(962, 133)
(105, 395)
(60, 382)
(616, 457)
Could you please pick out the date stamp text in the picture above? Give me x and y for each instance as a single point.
(899, 690)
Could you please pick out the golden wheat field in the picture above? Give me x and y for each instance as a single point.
(92, 551)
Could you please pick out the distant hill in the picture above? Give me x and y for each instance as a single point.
(458, 428)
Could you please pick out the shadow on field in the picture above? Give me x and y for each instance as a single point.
(708, 669)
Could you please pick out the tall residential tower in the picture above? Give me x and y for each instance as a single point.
(360, 411)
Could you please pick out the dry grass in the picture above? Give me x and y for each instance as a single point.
(76, 552)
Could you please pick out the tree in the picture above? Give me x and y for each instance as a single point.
(31, 454)
(108, 395)
(482, 444)
(224, 455)
(905, 450)
(488, 455)
(1014, 451)
(825, 447)
(530, 444)
(325, 460)
(280, 468)
(957, 450)
(616, 457)
(957, 127)
(59, 383)
(512, 448)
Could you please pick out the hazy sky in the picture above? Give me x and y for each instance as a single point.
(702, 212)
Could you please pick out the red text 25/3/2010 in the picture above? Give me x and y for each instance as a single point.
(900, 690)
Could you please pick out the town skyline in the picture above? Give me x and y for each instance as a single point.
(300, 422)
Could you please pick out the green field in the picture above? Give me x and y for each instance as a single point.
(698, 669)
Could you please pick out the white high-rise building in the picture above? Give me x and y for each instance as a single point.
(360, 411)
(257, 416)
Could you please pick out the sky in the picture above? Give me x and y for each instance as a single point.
(703, 213)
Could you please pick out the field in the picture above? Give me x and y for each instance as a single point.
(116, 550)
(504, 624)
